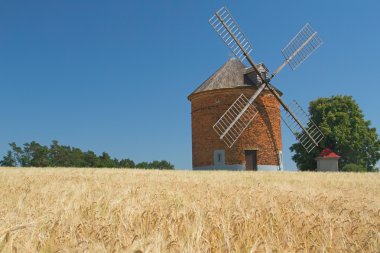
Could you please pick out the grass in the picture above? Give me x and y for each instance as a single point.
(110, 210)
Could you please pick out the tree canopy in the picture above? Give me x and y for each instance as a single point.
(34, 154)
(346, 132)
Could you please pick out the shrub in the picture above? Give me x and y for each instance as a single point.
(353, 167)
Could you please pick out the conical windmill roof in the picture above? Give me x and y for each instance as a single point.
(231, 75)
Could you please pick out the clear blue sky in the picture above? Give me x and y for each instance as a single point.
(115, 75)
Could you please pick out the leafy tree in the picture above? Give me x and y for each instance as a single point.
(143, 165)
(161, 165)
(156, 165)
(26, 156)
(8, 160)
(59, 155)
(38, 154)
(105, 161)
(346, 133)
(126, 163)
(90, 159)
(76, 158)
(17, 153)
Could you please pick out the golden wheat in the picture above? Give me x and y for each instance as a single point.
(110, 210)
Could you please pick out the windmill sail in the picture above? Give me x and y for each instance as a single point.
(228, 130)
(231, 34)
(302, 128)
(240, 114)
(300, 48)
(301, 135)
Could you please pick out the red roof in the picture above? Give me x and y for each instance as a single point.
(328, 153)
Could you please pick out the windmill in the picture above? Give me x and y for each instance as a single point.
(240, 114)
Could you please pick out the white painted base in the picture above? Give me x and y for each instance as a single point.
(238, 167)
(221, 167)
(269, 168)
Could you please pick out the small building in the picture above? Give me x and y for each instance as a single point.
(327, 161)
(259, 147)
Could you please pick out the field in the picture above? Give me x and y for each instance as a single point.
(110, 210)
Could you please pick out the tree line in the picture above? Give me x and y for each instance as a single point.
(34, 154)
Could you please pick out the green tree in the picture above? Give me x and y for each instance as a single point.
(163, 165)
(90, 159)
(38, 155)
(8, 160)
(126, 163)
(17, 153)
(59, 156)
(77, 158)
(143, 165)
(346, 132)
(26, 156)
(105, 161)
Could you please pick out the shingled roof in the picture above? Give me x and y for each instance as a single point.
(232, 74)
(328, 153)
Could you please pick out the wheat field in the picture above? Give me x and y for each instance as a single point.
(110, 210)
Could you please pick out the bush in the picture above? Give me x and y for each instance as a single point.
(352, 167)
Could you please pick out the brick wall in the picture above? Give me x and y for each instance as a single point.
(263, 134)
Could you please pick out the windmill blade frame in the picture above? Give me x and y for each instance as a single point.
(230, 32)
(305, 119)
(312, 139)
(235, 120)
(299, 48)
(230, 131)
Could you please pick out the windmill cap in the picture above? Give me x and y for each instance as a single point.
(233, 74)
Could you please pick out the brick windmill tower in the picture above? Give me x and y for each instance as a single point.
(236, 113)
(259, 146)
